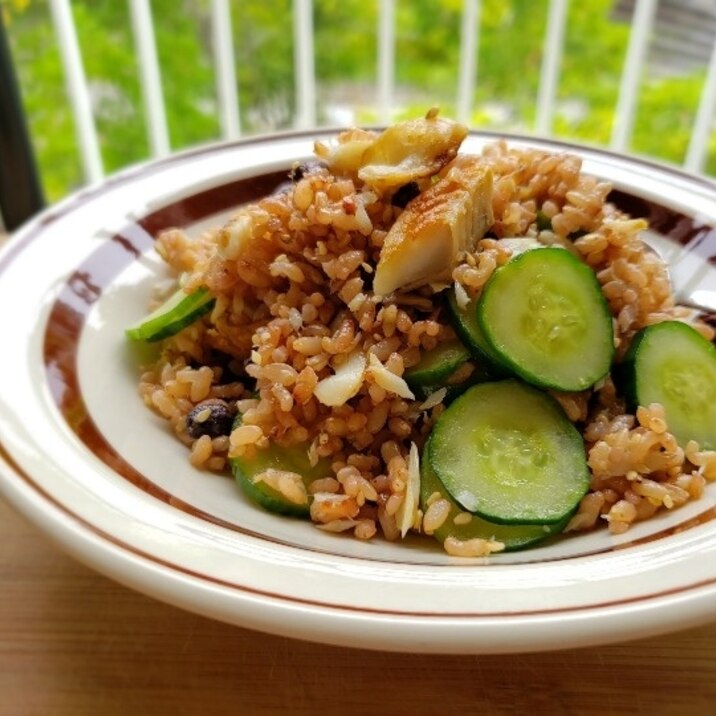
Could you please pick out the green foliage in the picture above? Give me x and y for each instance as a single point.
(509, 57)
(183, 34)
(112, 71)
(427, 35)
(667, 109)
(346, 40)
(263, 43)
(594, 54)
(40, 74)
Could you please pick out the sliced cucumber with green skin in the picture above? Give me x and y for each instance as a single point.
(671, 363)
(452, 391)
(464, 320)
(180, 310)
(436, 366)
(295, 459)
(544, 314)
(507, 452)
(514, 537)
(433, 368)
(464, 323)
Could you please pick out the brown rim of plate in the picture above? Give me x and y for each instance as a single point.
(86, 283)
(107, 537)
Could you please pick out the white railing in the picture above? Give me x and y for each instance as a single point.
(143, 29)
(226, 87)
(629, 90)
(303, 62)
(698, 146)
(549, 76)
(386, 59)
(77, 89)
(305, 77)
(467, 76)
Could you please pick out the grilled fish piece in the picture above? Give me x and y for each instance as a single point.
(345, 154)
(449, 217)
(403, 153)
(412, 150)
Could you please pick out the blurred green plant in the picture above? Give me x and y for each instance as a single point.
(510, 49)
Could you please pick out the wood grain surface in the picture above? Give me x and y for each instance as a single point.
(73, 642)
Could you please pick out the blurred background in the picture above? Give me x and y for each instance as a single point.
(562, 68)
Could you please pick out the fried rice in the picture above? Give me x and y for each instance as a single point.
(293, 277)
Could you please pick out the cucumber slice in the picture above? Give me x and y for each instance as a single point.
(545, 315)
(514, 537)
(508, 453)
(436, 366)
(673, 364)
(180, 310)
(247, 469)
(452, 390)
(441, 368)
(464, 323)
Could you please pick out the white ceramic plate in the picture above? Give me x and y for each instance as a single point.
(83, 458)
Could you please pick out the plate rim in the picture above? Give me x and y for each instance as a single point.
(413, 637)
(350, 627)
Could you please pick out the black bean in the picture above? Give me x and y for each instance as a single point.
(405, 194)
(300, 169)
(218, 422)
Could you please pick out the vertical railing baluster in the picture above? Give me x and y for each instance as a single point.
(701, 132)
(467, 76)
(144, 38)
(642, 22)
(386, 59)
(551, 65)
(224, 66)
(305, 74)
(77, 90)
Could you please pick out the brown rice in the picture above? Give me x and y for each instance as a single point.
(292, 279)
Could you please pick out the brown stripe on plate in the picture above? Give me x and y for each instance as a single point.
(198, 206)
(84, 287)
(698, 236)
(111, 539)
(61, 343)
(86, 283)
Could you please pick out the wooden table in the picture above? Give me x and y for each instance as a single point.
(73, 642)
